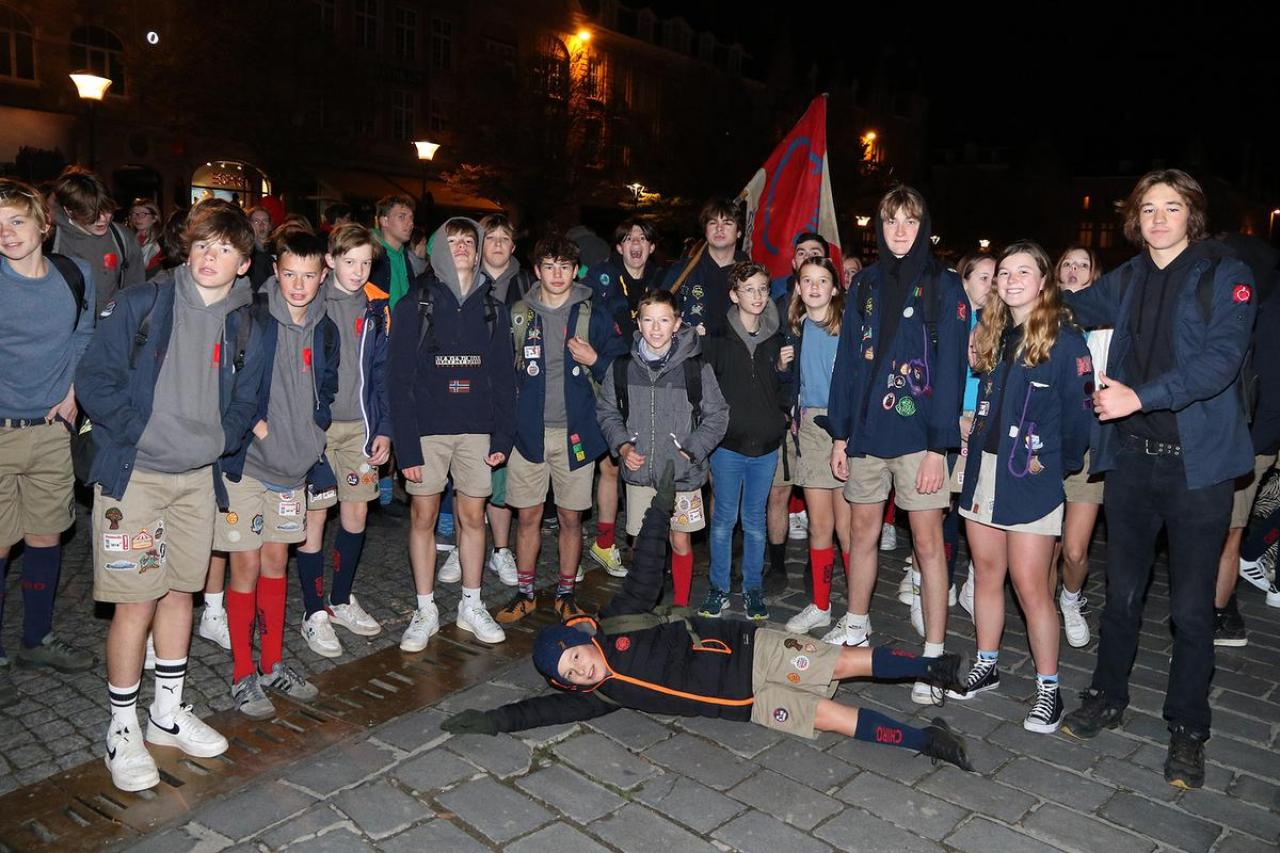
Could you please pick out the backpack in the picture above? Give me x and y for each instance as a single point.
(522, 317)
(426, 311)
(71, 274)
(692, 386)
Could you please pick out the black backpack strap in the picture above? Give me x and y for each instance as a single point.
(693, 387)
(242, 340)
(119, 238)
(930, 297)
(75, 282)
(144, 328)
(620, 385)
(425, 309)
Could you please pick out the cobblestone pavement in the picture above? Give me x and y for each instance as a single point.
(630, 781)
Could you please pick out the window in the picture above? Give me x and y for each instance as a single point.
(16, 56)
(1107, 237)
(326, 15)
(402, 115)
(441, 44)
(595, 82)
(1085, 235)
(365, 14)
(99, 51)
(1084, 203)
(551, 71)
(625, 88)
(501, 54)
(437, 116)
(406, 33)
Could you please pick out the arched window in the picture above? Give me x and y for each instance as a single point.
(101, 52)
(551, 68)
(17, 58)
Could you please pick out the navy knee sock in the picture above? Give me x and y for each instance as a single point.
(311, 579)
(888, 662)
(346, 557)
(40, 568)
(874, 727)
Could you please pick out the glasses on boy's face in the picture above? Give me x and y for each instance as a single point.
(754, 291)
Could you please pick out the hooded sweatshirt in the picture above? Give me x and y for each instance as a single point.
(745, 366)
(347, 311)
(294, 442)
(110, 271)
(554, 325)
(184, 432)
(508, 279)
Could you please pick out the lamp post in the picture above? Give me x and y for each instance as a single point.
(91, 88)
(426, 153)
(637, 189)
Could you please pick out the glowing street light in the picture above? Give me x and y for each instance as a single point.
(583, 35)
(91, 88)
(426, 153)
(863, 221)
(984, 245)
(637, 189)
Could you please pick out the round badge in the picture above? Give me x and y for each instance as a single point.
(353, 479)
(800, 662)
(532, 369)
(622, 643)
(233, 536)
(781, 715)
(365, 468)
(908, 311)
(255, 525)
(888, 401)
(232, 518)
(577, 370)
(899, 381)
(906, 407)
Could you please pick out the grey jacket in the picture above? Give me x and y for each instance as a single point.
(658, 407)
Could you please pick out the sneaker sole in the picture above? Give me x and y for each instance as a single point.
(160, 737)
(354, 628)
(1066, 729)
(612, 570)
(1184, 785)
(321, 650)
(1041, 728)
(1231, 643)
(969, 694)
(65, 670)
(1261, 583)
(411, 650)
(217, 641)
(932, 699)
(466, 626)
(1078, 644)
(261, 714)
(450, 578)
(132, 785)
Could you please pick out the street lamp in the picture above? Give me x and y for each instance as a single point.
(637, 189)
(426, 153)
(584, 35)
(91, 89)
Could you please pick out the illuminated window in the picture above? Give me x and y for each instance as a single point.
(1084, 204)
(99, 51)
(16, 55)
(552, 68)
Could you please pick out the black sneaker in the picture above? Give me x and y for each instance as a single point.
(56, 654)
(1228, 628)
(713, 605)
(1045, 715)
(983, 676)
(1094, 714)
(944, 672)
(942, 744)
(1184, 766)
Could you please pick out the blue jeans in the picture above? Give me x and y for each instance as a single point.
(739, 481)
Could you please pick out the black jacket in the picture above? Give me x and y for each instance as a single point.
(758, 400)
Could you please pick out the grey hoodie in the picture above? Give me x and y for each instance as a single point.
(442, 261)
(294, 442)
(346, 309)
(502, 284)
(768, 325)
(554, 329)
(110, 271)
(185, 429)
(658, 407)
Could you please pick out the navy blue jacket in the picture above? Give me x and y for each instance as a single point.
(119, 400)
(325, 352)
(1204, 390)
(461, 381)
(605, 281)
(584, 441)
(373, 345)
(1045, 412)
(913, 401)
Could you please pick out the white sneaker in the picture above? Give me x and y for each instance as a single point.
(132, 767)
(904, 586)
(317, 630)
(503, 562)
(1252, 571)
(924, 693)
(424, 623)
(917, 605)
(354, 618)
(478, 621)
(149, 662)
(1074, 624)
(806, 620)
(966, 593)
(451, 571)
(844, 634)
(1273, 594)
(798, 525)
(188, 733)
(888, 537)
(213, 627)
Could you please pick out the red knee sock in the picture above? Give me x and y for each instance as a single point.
(681, 578)
(271, 596)
(821, 560)
(240, 613)
(796, 504)
(604, 534)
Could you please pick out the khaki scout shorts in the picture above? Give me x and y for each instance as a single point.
(357, 478)
(790, 675)
(871, 479)
(689, 515)
(811, 468)
(36, 483)
(259, 515)
(463, 456)
(527, 481)
(156, 538)
(1247, 490)
(984, 502)
(1083, 488)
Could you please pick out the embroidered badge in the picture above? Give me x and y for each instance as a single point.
(353, 479)
(906, 407)
(532, 352)
(622, 643)
(114, 516)
(460, 386)
(800, 663)
(461, 360)
(1241, 293)
(115, 543)
(256, 524)
(962, 311)
(142, 541)
(150, 560)
(604, 279)
(232, 518)
(289, 527)
(888, 401)
(908, 312)
(289, 509)
(870, 354)
(532, 369)
(781, 715)
(983, 408)
(794, 678)
(696, 291)
(159, 528)
(120, 566)
(1084, 365)
(792, 643)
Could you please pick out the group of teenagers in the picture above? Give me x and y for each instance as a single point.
(223, 421)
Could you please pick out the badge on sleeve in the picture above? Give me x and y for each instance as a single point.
(1084, 365)
(1242, 293)
(962, 311)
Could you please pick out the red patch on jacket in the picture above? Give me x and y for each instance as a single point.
(306, 359)
(962, 311)
(1242, 293)
(622, 643)
(1084, 365)
(111, 260)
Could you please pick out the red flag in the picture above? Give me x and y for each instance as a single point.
(791, 194)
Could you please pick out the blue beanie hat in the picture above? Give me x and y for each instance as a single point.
(552, 643)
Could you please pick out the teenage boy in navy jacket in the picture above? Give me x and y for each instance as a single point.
(171, 383)
(453, 413)
(1172, 442)
(267, 479)
(356, 443)
(894, 413)
(557, 436)
(37, 411)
